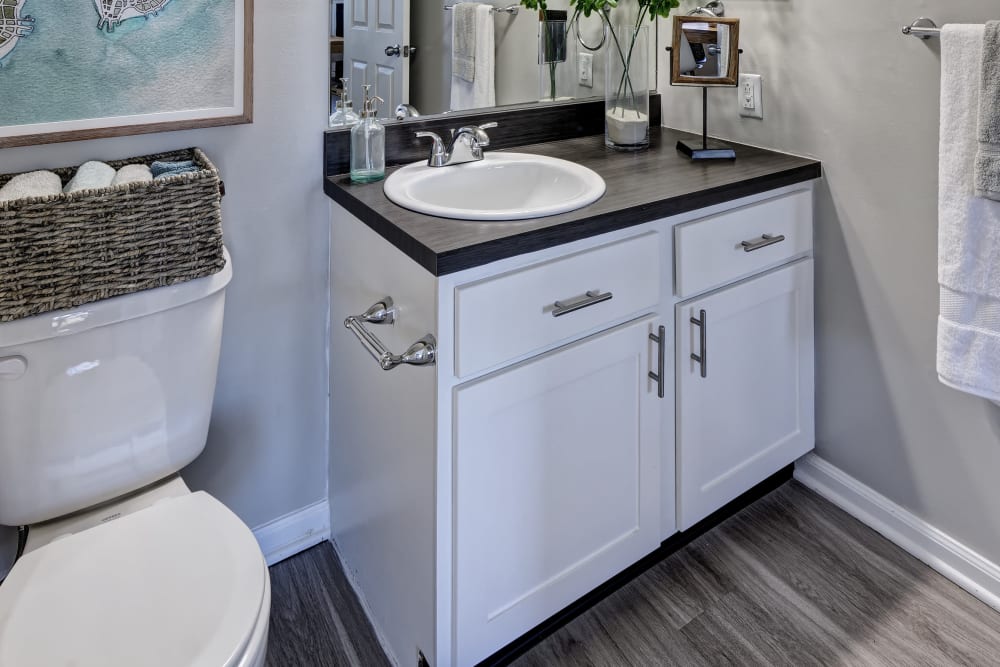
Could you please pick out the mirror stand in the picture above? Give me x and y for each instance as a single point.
(706, 149)
(705, 54)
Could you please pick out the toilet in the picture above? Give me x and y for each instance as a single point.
(101, 406)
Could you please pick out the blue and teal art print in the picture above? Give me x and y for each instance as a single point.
(67, 60)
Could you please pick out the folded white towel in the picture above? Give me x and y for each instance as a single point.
(481, 92)
(988, 160)
(968, 351)
(33, 184)
(463, 41)
(91, 175)
(132, 173)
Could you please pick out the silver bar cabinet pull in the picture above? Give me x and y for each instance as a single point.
(702, 359)
(592, 298)
(661, 343)
(421, 353)
(764, 241)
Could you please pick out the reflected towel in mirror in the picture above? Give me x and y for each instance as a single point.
(481, 90)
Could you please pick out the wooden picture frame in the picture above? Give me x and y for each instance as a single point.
(679, 79)
(240, 112)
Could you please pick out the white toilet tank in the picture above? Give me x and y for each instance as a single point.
(101, 400)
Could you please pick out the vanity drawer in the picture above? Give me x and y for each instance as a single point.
(714, 251)
(504, 317)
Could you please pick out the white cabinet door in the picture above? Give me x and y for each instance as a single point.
(556, 482)
(746, 409)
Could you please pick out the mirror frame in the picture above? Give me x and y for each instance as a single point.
(678, 79)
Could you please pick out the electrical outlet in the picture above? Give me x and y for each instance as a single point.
(586, 65)
(751, 99)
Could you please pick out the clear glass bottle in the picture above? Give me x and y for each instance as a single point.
(343, 114)
(368, 143)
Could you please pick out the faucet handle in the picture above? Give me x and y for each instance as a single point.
(481, 136)
(438, 151)
(476, 134)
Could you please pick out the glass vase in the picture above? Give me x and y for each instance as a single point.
(556, 60)
(626, 99)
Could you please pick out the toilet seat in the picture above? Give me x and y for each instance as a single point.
(181, 582)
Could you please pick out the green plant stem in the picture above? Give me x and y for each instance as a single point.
(547, 54)
(625, 85)
(627, 63)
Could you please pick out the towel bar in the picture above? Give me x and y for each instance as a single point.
(421, 353)
(511, 9)
(923, 27)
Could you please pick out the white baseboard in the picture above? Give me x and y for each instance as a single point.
(294, 532)
(976, 574)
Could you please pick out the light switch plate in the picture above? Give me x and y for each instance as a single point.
(750, 96)
(586, 64)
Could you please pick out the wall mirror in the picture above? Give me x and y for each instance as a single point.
(403, 48)
(706, 51)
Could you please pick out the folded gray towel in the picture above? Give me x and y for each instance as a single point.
(463, 41)
(33, 184)
(988, 157)
(161, 169)
(133, 173)
(91, 176)
(176, 172)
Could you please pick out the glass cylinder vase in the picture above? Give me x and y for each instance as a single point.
(556, 59)
(626, 117)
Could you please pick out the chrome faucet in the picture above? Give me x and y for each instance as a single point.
(466, 145)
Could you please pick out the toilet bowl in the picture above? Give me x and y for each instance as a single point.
(100, 407)
(178, 582)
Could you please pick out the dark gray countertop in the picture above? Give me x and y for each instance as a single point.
(641, 187)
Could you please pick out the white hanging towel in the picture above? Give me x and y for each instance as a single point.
(472, 39)
(968, 350)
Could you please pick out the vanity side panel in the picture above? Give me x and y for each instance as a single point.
(382, 432)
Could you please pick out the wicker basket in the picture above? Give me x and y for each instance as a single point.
(66, 250)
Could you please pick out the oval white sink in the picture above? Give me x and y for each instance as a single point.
(501, 186)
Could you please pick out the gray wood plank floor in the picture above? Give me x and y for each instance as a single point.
(791, 580)
(316, 619)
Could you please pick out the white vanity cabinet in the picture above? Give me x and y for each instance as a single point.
(565, 429)
(556, 482)
(744, 365)
(744, 387)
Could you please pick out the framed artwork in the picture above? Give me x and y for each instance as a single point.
(87, 69)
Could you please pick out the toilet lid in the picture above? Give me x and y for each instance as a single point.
(178, 583)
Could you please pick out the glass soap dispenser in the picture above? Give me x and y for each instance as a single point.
(368, 143)
(343, 115)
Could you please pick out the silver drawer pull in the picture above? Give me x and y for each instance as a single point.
(421, 353)
(702, 359)
(764, 241)
(659, 377)
(592, 298)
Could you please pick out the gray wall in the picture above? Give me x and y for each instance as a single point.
(842, 84)
(267, 450)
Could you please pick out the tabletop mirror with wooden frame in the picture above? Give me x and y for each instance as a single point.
(706, 51)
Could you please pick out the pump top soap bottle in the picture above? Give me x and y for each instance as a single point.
(368, 143)
(343, 114)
